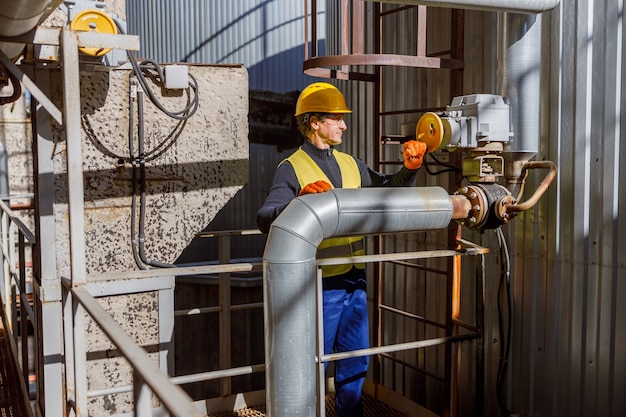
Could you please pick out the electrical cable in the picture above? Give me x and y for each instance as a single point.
(139, 68)
(448, 167)
(504, 295)
(154, 71)
(192, 104)
(91, 135)
(151, 69)
(439, 162)
(143, 187)
(138, 81)
(131, 148)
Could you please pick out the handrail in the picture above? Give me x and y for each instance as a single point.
(14, 233)
(187, 379)
(176, 401)
(146, 372)
(465, 248)
(418, 344)
(182, 271)
(30, 236)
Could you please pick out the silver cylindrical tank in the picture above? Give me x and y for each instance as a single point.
(17, 18)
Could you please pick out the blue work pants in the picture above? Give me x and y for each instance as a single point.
(345, 329)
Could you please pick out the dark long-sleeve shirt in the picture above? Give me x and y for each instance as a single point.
(285, 186)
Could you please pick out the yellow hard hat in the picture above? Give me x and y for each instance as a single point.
(321, 98)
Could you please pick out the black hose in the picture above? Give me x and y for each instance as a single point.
(17, 90)
(504, 293)
(448, 167)
(152, 69)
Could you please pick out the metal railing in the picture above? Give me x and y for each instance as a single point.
(466, 248)
(148, 378)
(126, 282)
(16, 288)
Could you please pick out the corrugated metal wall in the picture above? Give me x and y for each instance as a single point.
(568, 269)
(570, 325)
(267, 36)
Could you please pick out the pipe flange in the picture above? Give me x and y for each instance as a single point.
(479, 206)
(501, 208)
(489, 206)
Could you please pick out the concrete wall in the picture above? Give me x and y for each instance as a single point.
(14, 128)
(192, 171)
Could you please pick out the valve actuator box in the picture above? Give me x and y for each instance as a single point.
(474, 120)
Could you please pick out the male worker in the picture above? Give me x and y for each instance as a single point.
(317, 167)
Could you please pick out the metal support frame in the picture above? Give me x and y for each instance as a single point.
(47, 317)
(225, 313)
(353, 54)
(464, 248)
(48, 292)
(148, 377)
(77, 301)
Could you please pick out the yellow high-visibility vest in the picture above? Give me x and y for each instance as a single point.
(307, 172)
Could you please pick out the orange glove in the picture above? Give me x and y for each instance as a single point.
(413, 152)
(315, 187)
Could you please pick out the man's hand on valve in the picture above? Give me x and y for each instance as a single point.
(315, 187)
(413, 152)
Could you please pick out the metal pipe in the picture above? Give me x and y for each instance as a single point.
(289, 269)
(456, 279)
(461, 207)
(185, 379)
(519, 77)
(541, 188)
(516, 6)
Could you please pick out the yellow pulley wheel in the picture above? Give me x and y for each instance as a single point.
(430, 131)
(92, 20)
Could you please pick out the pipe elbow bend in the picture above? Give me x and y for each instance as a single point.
(300, 228)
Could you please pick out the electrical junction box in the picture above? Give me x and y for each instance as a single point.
(176, 77)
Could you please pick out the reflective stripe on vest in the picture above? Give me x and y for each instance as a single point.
(307, 172)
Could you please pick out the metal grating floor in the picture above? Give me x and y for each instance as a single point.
(372, 408)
